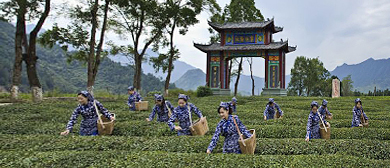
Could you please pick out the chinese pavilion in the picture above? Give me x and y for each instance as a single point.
(246, 39)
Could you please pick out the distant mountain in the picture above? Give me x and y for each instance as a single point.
(191, 79)
(367, 74)
(55, 73)
(180, 67)
(196, 77)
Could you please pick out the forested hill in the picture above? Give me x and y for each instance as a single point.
(367, 75)
(55, 73)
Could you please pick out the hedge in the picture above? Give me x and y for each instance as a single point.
(373, 149)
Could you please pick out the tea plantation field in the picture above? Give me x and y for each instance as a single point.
(30, 136)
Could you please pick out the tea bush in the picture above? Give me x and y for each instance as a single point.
(29, 136)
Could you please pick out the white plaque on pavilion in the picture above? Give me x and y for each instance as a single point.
(335, 88)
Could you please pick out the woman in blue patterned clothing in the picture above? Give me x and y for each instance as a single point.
(324, 110)
(133, 97)
(234, 104)
(184, 115)
(86, 108)
(313, 123)
(357, 113)
(269, 111)
(227, 128)
(162, 109)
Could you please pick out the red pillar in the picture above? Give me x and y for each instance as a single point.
(284, 70)
(266, 69)
(281, 68)
(208, 70)
(221, 70)
(226, 74)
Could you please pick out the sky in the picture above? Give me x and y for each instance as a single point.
(337, 32)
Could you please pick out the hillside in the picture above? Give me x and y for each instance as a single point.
(196, 77)
(367, 74)
(180, 67)
(191, 80)
(55, 73)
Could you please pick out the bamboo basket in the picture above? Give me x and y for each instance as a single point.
(364, 122)
(324, 134)
(250, 144)
(200, 127)
(277, 115)
(141, 106)
(107, 123)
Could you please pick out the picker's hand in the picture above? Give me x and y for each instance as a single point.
(178, 128)
(208, 151)
(147, 119)
(360, 125)
(65, 133)
(112, 118)
(307, 139)
(265, 118)
(327, 124)
(280, 117)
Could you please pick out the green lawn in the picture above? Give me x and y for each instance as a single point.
(29, 136)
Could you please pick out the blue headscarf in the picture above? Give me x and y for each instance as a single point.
(158, 97)
(234, 99)
(131, 88)
(314, 103)
(183, 96)
(87, 95)
(225, 105)
(324, 102)
(358, 100)
(271, 100)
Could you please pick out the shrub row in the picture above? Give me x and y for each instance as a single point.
(164, 159)
(373, 149)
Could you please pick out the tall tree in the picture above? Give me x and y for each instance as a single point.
(25, 49)
(181, 14)
(236, 11)
(308, 76)
(347, 87)
(144, 21)
(83, 16)
(250, 62)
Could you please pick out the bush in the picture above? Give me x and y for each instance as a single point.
(203, 91)
(29, 136)
(175, 92)
(152, 93)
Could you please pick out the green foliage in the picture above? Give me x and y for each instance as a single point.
(203, 91)
(236, 11)
(152, 93)
(308, 77)
(30, 136)
(176, 92)
(347, 86)
(55, 73)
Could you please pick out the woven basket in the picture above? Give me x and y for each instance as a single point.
(250, 144)
(277, 115)
(108, 125)
(141, 106)
(200, 127)
(328, 117)
(364, 122)
(324, 134)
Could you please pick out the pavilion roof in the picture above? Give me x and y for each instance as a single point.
(217, 47)
(245, 25)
